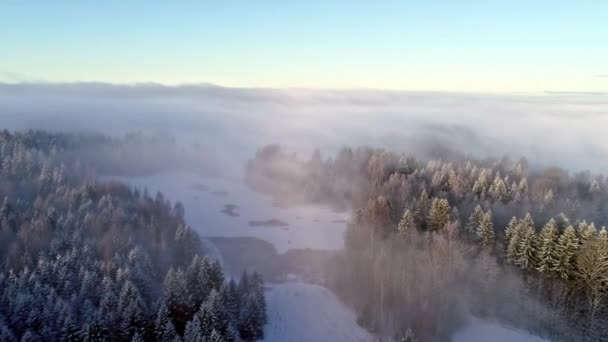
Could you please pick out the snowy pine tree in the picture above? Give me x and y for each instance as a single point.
(485, 230)
(406, 224)
(193, 332)
(474, 220)
(439, 214)
(176, 298)
(525, 254)
(547, 247)
(566, 248)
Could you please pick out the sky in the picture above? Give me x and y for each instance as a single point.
(459, 46)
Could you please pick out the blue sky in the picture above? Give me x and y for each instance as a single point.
(521, 46)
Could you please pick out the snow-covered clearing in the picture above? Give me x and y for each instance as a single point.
(308, 226)
(305, 312)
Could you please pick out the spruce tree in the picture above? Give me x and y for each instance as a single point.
(547, 247)
(406, 224)
(439, 214)
(162, 330)
(258, 291)
(525, 255)
(485, 230)
(220, 319)
(474, 220)
(193, 332)
(511, 227)
(250, 322)
(586, 231)
(566, 248)
(514, 237)
(175, 295)
(70, 332)
(231, 293)
(137, 338)
(216, 275)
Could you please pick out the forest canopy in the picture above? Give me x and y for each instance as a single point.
(87, 260)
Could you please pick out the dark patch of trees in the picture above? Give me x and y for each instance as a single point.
(432, 240)
(87, 261)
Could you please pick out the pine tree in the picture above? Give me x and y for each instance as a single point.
(132, 320)
(406, 224)
(205, 319)
(585, 231)
(168, 333)
(216, 275)
(474, 220)
(499, 189)
(258, 291)
(511, 227)
(197, 277)
(70, 330)
(523, 186)
(514, 238)
(250, 323)
(216, 336)
(220, 319)
(175, 295)
(108, 311)
(193, 332)
(525, 255)
(480, 185)
(485, 230)
(591, 270)
(231, 293)
(6, 335)
(163, 329)
(137, 338)
(439, 214)
(547, 249)
(566, 248)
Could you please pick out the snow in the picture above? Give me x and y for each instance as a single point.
(478, 330)
(309, 226)
(296, 311)
(306, 312)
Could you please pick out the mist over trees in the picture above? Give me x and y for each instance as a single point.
(83, 260)
(432, 241)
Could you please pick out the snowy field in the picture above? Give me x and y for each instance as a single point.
(308, 226)
(478, 330)
(300, 312)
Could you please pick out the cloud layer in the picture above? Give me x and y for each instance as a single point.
(563, 129)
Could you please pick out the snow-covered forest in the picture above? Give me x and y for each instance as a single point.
(86, 260)
(433, 241)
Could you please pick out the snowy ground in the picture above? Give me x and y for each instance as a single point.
(308, 226)
(300, 312)
(478, 330)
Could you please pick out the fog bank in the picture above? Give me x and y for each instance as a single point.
(565, 129)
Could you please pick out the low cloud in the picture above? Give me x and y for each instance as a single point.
(566, 129)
